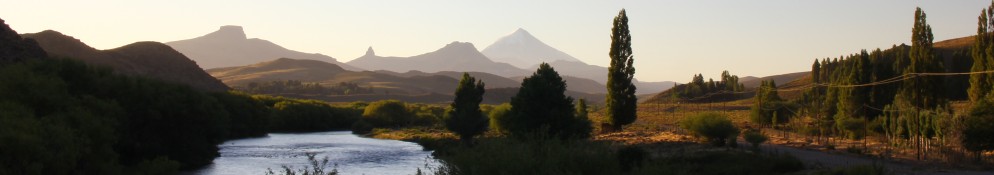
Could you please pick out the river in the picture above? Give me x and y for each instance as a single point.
(352, 154)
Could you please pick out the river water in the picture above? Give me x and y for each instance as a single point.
(352, 154)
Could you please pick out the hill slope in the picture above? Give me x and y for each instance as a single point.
(147, 59)
(228, 46)
(13, 48)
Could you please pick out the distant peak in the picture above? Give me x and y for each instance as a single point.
(229, 32)
(521, 31)
(459, 45)
(369, 52)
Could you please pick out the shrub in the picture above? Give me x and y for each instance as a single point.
(307, 115)
(755, 138)
(387, 113)
(500, 117)
(715, 127)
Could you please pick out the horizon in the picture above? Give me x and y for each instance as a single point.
(671, 40)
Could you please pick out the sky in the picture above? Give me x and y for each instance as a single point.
(671, 40)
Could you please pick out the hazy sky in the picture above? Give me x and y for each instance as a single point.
(671, 39)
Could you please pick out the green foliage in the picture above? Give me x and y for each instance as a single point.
(248, 116)
(465, 119)
(982, 53)
(60, 116)
(699, 88)
(298, 87)
(500, 118)
(922, 92)
(387, 113)
(541, 108)
(768, 108)
(621, 99)
(755, 138)
(311, 115)
(715, 127)
(978, 134)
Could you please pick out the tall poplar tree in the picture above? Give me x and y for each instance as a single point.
(465, 119)
(922, 92)
(983, 59)
(621, 99)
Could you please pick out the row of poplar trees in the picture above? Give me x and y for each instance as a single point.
(541, 108)
(885, 91)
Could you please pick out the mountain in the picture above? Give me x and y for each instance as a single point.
(13, 48)
(331, 74)
(145, 59)
(411, 86)
(455, 56)
(523, 50)
(228, 46)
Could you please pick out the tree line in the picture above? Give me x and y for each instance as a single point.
(697, 87)
(60, 116)
(884, 92)
(299, 87)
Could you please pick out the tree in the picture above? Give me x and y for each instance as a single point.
(465, 119)
(621, 99)
(977, 134)
(983, 59)
(922, 92)
(540, 108)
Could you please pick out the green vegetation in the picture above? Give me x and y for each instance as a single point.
(61, 116)
(621, 99)
(978, 132)
(769, 108)
(500, 118)
(983, 56)
(699, 88)
(298, 87)
(387, 113)
(715, 127)
(755, 138)
(922, 92)
(541, 109)
(465, 119)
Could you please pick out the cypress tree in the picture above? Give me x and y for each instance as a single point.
(621, 99)
(465, 119)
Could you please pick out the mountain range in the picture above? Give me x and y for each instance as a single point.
(455, 56)
(145, 59)
(412, 86)
(229, 46)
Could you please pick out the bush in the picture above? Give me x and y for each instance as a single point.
(714, 126)
(387, 113)
(500, 117)
(755, 138)
(309, 115)
(978, 135)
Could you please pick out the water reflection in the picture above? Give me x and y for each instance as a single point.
(352, 154)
